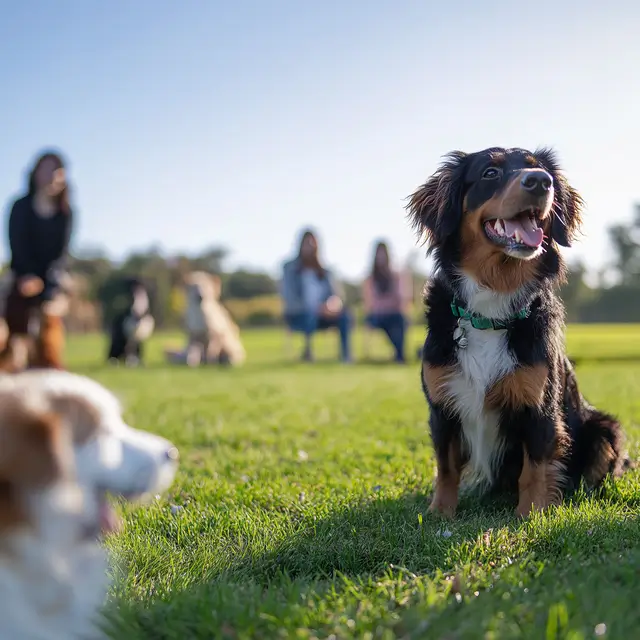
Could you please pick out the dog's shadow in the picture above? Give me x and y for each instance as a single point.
(358, 541)
(355, 546)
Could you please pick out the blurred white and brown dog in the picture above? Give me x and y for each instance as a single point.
(64, 447)
(212, 334)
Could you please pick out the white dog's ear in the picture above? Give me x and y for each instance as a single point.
(80, 415)
(32, 444)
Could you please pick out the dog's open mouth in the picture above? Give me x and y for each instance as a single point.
(106, 522)
(109, 520)
(522, 232)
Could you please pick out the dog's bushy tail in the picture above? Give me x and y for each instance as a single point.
(598, 449)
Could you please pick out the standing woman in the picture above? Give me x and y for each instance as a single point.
(385, 300)
(40, 227)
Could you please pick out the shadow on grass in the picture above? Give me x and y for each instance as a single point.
(288, 364)
(337, 561)
(604, 358)
(259, 366)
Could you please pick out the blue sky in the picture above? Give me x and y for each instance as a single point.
(199, 122)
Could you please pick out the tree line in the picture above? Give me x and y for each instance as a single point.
(614, 296)
(252, 296)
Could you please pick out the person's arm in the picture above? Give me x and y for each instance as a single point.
(335, 300)
(56, 271)
(334, 287)
(60, 262)
(21, 253)
(287, 287)
(405, 291)
(367, 295)
(56, 279)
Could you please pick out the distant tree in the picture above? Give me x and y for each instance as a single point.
(94, 266)
(575, 293)
(245, 284)
(210, 260)
(625, 239)
(352, 292)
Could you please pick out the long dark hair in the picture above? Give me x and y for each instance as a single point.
(381, 275)
(313, 261)
(62, 199)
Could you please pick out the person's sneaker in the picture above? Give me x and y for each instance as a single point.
(307, 356)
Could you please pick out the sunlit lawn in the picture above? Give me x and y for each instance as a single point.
(300, 508)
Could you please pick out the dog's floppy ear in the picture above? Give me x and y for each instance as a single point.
(80, 414)
(567, 202)
(32, 443)
(435, 209)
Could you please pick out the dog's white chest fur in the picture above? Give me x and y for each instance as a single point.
(484, 361)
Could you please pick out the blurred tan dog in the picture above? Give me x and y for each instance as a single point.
(212, 334)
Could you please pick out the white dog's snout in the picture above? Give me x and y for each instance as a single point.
(172, 454)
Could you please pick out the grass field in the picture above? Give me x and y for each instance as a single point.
(300, 510)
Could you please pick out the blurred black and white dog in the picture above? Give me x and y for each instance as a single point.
(132, 326)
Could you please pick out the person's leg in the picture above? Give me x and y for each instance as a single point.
(373, 320)
(17, 313)
(15, 354)
(343, 322)
(397, 327)
(307, 324)
(393, 324)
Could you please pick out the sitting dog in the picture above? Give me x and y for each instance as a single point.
(503, 397)
(64, 448)
(212, 335)
(43, 345)
(132, 327)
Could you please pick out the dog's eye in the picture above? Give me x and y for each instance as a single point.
(491, 173)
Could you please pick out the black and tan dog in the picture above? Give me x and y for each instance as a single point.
(132, 326)
(504, 402)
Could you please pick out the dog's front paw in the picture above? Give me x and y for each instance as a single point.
(529, 503)
(444, 506)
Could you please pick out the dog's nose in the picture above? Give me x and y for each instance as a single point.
(172, 454)
(536, 181)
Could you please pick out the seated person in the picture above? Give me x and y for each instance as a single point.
(40, 227)
(310, 298)
(384, 300)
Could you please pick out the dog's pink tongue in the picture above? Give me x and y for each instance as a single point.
(109, 521)
(530, 233)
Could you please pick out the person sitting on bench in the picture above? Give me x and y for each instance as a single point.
(384, 300)
(310, 298)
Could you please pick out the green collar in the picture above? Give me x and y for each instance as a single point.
(480, 322)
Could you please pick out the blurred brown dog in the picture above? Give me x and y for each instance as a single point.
(46, 331)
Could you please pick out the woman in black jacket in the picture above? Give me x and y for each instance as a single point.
(40, 227)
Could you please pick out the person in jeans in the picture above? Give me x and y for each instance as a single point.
(384, 300)
(311, 300)
(40, 227)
